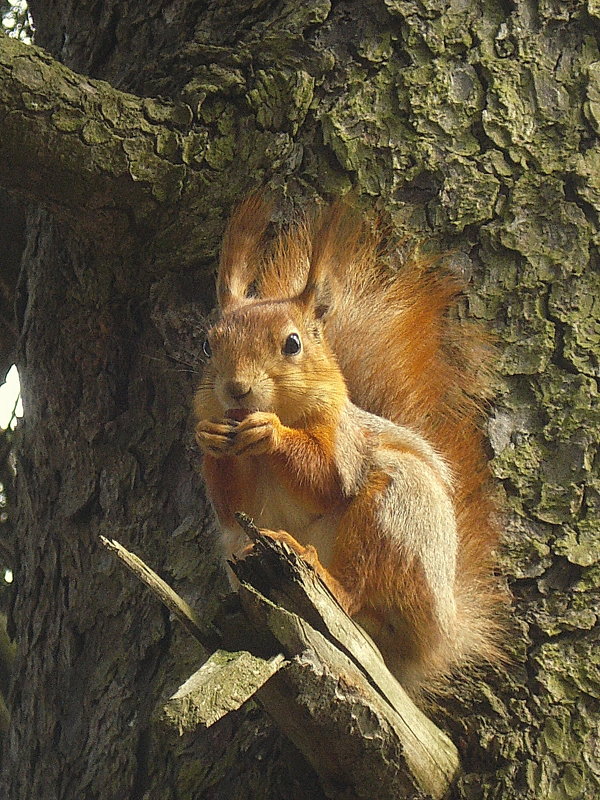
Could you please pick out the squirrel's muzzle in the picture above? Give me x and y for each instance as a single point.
(238, 390)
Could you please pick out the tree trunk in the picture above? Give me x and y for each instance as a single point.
(468, 125)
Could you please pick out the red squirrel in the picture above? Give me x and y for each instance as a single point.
(340, 408)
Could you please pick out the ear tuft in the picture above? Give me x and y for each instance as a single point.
(334, 235)
(241, 250)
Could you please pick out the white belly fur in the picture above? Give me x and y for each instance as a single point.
(275, 509)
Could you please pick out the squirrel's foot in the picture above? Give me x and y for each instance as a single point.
(215, 436)
(309, 555)
(257, 434)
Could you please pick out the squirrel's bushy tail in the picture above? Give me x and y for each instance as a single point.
(407, 356)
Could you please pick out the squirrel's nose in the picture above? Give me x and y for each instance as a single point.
(238, 389)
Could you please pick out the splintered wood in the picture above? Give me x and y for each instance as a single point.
(316, 673)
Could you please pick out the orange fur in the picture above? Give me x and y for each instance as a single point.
(231, 483)
(396, 518)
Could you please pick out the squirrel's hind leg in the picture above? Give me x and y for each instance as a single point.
(400, 530)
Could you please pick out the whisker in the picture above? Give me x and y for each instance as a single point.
(189, 371)
(165, 363)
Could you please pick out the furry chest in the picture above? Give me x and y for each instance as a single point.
(277, 507)
(254, 487)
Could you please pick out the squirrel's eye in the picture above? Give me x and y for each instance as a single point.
(292, 345)
(206, 349)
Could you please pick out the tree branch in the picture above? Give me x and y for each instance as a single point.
(223, 684)
(91, 153)
(209, 638)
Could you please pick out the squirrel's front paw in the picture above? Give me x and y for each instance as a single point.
(258, 433)
(215, 437)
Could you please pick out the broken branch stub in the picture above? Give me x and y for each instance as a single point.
(334, 665)
(316, 673)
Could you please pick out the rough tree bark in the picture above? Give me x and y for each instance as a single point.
(471, 125)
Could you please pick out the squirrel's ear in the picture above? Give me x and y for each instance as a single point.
(240, 250)
(333, 232)
(321, 253)
(318, 302)
(321, 310)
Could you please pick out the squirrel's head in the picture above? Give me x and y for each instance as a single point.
(269, 353)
